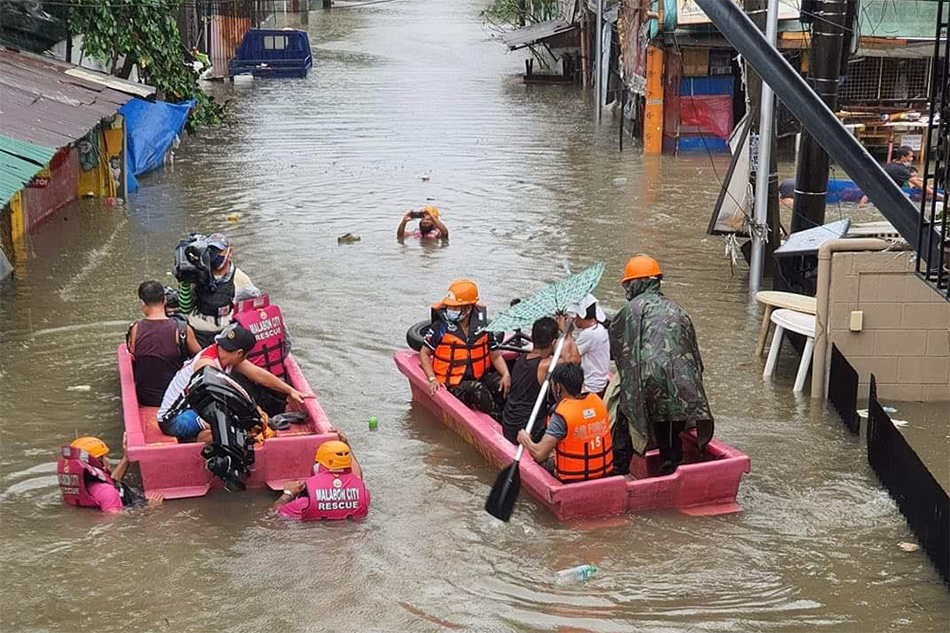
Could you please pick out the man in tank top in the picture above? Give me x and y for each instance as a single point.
(159, 345)
(527, 375)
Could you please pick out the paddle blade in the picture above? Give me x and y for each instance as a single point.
(504, 494)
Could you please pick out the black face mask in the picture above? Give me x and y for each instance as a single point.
(425, 229)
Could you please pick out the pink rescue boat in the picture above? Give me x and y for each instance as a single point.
(178, 470)
(704, 484)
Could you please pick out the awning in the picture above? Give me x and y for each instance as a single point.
(528, 35)
(47, 105)
(19, 162)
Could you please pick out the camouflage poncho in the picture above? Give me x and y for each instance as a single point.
(661, 372)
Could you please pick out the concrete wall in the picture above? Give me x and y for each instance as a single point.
(905, 338)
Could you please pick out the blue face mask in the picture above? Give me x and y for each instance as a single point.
(218, 261)
(453, 315)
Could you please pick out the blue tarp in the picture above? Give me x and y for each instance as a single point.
(150, 130)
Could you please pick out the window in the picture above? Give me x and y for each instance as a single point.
(275, 42)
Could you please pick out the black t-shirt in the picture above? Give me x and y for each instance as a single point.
(899, 173)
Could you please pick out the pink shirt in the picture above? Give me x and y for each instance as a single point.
(294, 509)
(106, 496)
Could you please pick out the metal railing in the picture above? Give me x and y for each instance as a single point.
(922, 501)
(933, 246)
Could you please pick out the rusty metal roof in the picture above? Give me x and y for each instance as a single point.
(43, 103)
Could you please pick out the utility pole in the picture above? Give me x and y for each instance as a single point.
(766, 178)
(599, 62)
(828, 30)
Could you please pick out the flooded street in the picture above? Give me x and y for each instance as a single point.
(524, 180)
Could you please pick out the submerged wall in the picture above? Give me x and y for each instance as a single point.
(904, 339)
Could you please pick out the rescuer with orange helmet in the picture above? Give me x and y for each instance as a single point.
(653, 341)
(576, 445)
(334, 492)
(459, 354)
(87, 479)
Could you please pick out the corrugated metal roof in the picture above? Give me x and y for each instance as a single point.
(528, 35)
(43, 105)
(19, 162)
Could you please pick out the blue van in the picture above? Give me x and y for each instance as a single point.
(273, 53)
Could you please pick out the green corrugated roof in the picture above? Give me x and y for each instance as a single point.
(19, 162)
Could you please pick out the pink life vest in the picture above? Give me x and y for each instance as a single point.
(71, 470)
(266, 323)
(335, 496)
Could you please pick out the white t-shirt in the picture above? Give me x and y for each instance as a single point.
(593, 343)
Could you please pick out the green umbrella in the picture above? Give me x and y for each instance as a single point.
(548, 301)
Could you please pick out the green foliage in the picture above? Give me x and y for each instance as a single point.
(511, 11)
(147, 34)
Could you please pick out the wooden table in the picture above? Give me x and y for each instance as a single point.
(773, 299)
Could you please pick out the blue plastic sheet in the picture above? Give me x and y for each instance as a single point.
(150, 129)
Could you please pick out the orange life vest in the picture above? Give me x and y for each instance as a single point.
(454, 354)
(586, 452)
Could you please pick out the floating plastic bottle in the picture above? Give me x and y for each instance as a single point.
(575, 574)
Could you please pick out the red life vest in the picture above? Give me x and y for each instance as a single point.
(334, 496)
(72, 469)
(266, 323)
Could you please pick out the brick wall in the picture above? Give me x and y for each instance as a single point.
(905, 339)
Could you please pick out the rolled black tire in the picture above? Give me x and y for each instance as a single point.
(415, 335)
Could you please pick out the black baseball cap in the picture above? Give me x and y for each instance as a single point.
(235, 338)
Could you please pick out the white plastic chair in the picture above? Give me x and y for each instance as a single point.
(793, 321)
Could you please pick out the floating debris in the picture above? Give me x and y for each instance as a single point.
(79, 388)
(348, 238)
(426, 178)
(234, 217)
(619, 181)
(908, 547)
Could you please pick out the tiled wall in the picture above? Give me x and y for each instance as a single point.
(905, 339)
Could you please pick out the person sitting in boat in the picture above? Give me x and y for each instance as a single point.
(334, 492)
(228, 352)
(593, 343)
(786, 193)
(459, 355)
(254, 311)
(661, 372)
(87, 479)
(430, 226)
(159, 345)
(576, 445)
(214, 302)
(528, 374)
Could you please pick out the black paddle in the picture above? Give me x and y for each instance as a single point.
(501, 500)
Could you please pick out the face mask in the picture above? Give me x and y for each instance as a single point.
(219, 261)
(453, 315)
(425, 228)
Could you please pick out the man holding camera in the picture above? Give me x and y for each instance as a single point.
(214, 302)
(430, 226)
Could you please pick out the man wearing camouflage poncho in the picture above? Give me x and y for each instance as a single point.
(661, 390)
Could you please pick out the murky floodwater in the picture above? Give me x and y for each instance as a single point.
(398, 91)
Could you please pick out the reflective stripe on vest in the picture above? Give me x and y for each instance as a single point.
(453, 356)
(71, 471)
(335, 496)
(266, 323)
(586, 452)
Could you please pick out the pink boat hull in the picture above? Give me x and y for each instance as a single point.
(705, 486)
(178, 470)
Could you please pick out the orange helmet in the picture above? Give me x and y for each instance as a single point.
(462, 292)
(432, 211)
(334, 455)
(641, 267)
(92, 445)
